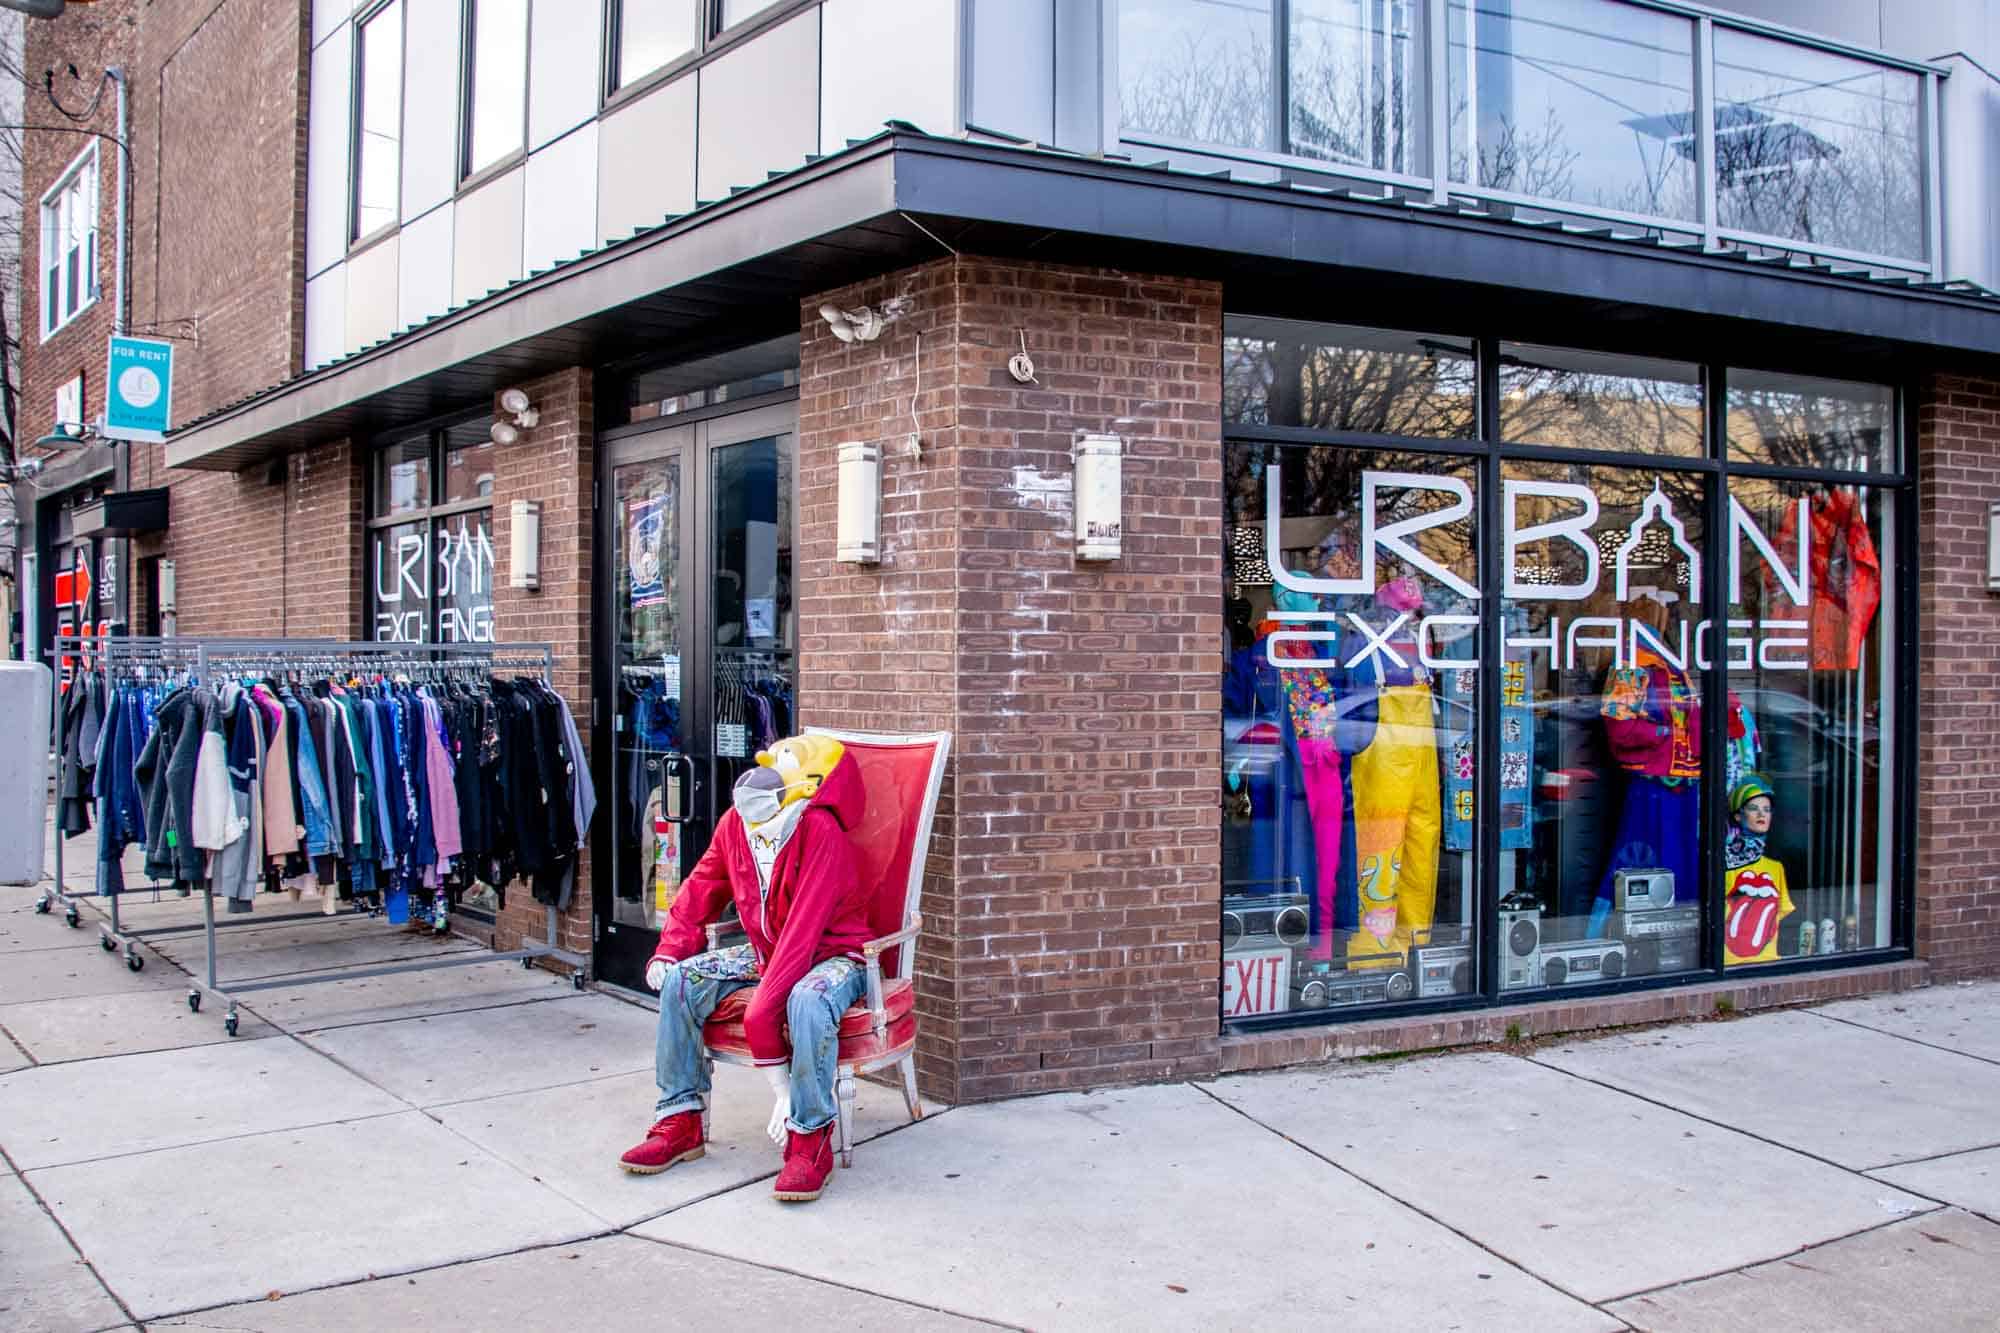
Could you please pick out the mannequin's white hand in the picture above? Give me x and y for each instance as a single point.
(780, 1079)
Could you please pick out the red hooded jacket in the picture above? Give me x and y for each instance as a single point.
(817, 907)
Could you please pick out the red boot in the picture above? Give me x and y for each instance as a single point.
(676, 1138)
(808, 1162)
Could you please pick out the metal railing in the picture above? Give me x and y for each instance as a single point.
(1672, 118)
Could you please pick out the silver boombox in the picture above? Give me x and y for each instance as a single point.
(1285, 917)
(1667, 940)
(1645, 889)
(1520, 943)
(1576, 961)
(1442, 969)
(1335, 990)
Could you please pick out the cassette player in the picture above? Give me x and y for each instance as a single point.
(1576, 961)
(1283, 917)
(1664, 940)
(1642, 889)
(1442, 967)
(1335, 990)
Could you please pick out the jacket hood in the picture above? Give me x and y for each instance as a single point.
(842, 793)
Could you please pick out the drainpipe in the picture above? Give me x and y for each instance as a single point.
(119, 551)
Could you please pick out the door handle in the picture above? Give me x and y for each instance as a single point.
(676, 756)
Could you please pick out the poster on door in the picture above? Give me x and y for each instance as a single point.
(645, 550)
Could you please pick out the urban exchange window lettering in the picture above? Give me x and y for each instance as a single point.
(431, 538)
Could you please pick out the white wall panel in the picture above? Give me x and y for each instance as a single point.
(327, 150)
(327, 15)
(486, 238)
(560, 211)
(371, 294)
(326, 316)
(893, 59)
(564, 47)
(1013, 81)
(759, 107)
(430, 103)
(645, 160)
(423, 287)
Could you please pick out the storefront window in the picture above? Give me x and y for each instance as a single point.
(1350, 710)
(1463, 765)
(1807, 852)
(1603, 654)
(430, 549)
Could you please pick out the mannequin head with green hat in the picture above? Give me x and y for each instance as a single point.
(1750, 803)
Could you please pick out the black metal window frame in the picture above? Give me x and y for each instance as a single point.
(1490, 453)
(436, 434)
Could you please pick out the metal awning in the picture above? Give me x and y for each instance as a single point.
(122, 514)
(736, 269)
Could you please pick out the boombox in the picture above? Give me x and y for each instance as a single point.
(1520, 943)
(1668, 940)
(1644, 889)
(1582, 960)
(1283, 917)
(1442, 969)
(1333, 990)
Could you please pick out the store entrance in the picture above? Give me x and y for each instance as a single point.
(698, 657)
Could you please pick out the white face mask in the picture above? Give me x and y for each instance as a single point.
(759, 795)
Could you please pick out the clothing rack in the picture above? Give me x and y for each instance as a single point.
(212, 660)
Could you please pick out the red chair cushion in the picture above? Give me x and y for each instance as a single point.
(724, 1030)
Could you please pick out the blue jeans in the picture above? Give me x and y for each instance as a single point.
(688, 997)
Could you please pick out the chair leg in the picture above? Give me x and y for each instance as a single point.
(910, 1099)
(845, 1090)
(707, 1097)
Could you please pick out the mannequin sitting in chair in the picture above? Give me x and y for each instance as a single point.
(783, 855)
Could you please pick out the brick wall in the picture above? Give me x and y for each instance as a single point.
(553, 465)
(1072, 895)
(1958, 769)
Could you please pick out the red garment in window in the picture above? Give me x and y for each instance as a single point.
(1846, 576)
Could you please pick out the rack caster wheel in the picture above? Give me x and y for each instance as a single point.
(576, 980)
(194, 1001)
(107, 944)
(136, 962)
(73, 918)
(527, 964)
(42, 907)
(229, 1025)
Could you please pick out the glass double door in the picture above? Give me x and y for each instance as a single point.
(698, 662)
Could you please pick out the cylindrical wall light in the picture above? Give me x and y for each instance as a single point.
(524, 553)
(857, 531)
(1099, 496)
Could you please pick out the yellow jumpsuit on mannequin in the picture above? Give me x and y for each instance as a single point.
(1398, 820)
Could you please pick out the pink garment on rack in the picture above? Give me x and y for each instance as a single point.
(281, 829)
(439, 769)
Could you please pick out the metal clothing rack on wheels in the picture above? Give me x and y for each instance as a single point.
(127, 659)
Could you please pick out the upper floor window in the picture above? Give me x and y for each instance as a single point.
(69, 243)
(378, 120)
(496, 81)
(647, 35)
(732, 12)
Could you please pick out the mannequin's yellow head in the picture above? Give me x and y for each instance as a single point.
(803, 762)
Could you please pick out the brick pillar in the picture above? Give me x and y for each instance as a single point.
(552, 464)
(1072, 901)
(1958, 769)
(323, 529)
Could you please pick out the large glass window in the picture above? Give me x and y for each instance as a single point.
(430, 537)
(378, 121)
(1814, 146)
(649, 35)
(1198, 72)
(69, 243)
(496, 81)
(1471, 765)
(1574, 100)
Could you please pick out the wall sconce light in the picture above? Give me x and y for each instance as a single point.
(1993, 547)
(515, 404)
(858, 528)
(524, 545)
(1099, 496)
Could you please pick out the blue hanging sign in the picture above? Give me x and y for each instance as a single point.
(139, 389)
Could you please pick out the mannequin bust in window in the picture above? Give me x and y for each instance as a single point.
(782, 855)
(1755, 899)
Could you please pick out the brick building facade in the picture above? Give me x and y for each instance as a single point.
(1076, 877)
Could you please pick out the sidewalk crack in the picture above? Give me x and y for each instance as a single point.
(1903, 1036)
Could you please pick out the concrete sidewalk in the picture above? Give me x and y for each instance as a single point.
(438, 1151)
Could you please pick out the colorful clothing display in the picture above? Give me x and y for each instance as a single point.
(1397, 822)
(1846, 576)
(1755, 900)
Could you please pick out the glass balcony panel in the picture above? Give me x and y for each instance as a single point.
(1805, 421)
(1574, 100)
(1356, 94)
(1197, 71)
(1817, 147)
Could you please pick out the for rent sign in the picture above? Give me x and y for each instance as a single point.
(139, 389)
